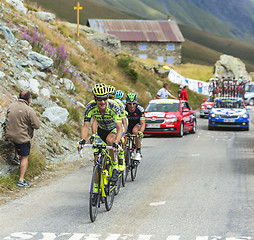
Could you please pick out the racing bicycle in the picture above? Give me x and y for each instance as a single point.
(102, 173)
(131, 165)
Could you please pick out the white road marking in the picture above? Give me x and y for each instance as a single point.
(113, 237)
(195, 155)
(173, 237)
(157, 203)
(84, 236)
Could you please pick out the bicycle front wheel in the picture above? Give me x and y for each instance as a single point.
(134, 169)
(94, 200)
(110, 196)
(127, 166)
(118, 183)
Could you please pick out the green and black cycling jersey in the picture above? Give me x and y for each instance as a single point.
(110, 117)
(135, 117)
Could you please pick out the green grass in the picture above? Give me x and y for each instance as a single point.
(36, 165)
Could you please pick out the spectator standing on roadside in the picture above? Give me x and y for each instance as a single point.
(163, 93)
(184, 94)
(21, 121)
(179, 91)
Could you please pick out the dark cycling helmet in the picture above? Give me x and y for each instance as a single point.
(119, 94)
(100, 90)
(131, 98)
(111, 91)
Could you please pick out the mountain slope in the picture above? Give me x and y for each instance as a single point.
(227, 18)
(212, 45)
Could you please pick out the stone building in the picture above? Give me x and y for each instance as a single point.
(156, 39)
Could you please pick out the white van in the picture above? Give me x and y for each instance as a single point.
(249, 94)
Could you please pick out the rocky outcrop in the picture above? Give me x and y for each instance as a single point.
(107, 42)
(56, 115)
(46, 16)
(18, 5)
(229, 66)
(40, 61)
(7, 33)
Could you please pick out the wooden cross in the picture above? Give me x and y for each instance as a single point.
(78, 8)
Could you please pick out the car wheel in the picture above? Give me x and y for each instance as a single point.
(180, 133)
(194, 127)
(210, 128)
(252, 102)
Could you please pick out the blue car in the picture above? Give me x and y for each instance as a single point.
(229, 112)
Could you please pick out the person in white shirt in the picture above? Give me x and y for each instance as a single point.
(163, 93)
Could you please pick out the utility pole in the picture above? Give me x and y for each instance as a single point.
(78, 7)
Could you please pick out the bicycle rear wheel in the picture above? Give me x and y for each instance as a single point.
(127, 166)
(134, 169)
(94, 205)
(110, 196)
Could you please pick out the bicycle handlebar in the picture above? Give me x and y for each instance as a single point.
(130, 135)
(94, 146)
(98, 146)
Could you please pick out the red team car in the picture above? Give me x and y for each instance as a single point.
(169, 116)
(204, 111)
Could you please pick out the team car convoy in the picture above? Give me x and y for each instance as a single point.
(169, 116)
(206, 107)
(229, 112)
(225, 107)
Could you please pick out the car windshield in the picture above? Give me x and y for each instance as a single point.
(210, 99)
(163, 107)
(249, 88)
(228, 104)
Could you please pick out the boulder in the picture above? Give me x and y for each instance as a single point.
(31, 85)
(67, 83)
(18, 5)
(7, 33)
(40, 61)
(229, 66)
(34, 86)
(46, 16)
(56, 115)
(45, 93)
(2, 75)
(107, 42)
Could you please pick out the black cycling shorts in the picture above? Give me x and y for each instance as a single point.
(131, 126)
(104, 133)
(23, 149)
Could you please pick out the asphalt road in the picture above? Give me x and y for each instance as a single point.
(197, 187)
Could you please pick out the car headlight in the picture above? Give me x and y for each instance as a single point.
(213, 115)
(245, 116)
(202, 107)
(171, 120)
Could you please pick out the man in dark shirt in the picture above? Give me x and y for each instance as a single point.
(136, 121)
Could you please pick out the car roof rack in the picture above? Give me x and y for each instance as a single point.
(227, 87)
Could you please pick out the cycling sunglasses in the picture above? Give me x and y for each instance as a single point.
(101, 99)
(131, 103)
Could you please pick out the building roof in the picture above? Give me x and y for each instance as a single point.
(139, 30)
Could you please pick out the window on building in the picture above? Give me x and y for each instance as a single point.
(170, 60)
(160, 59)
(143, 56)
(171, 47)
(142, 46)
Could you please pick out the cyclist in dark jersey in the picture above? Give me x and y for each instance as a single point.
(136, 121)
(107, 114)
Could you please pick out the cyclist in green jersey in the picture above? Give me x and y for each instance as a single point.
(107, 114)
(111, 95)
